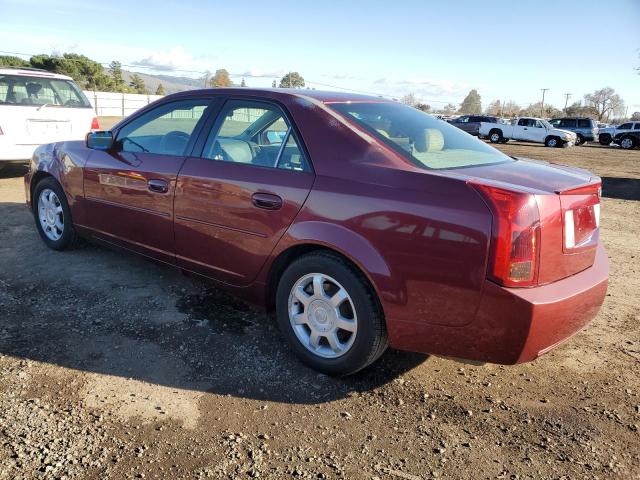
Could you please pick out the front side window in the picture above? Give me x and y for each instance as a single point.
(255, 133)
(30, 91)
(165, 130)
(626, 126)
(424, 140)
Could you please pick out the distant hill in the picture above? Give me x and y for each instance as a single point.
(170, 83)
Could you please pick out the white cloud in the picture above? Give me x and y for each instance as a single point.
(262, 73)
(175, 59)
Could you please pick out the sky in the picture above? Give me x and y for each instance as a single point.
(439, 50)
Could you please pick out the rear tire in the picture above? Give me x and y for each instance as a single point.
(317, 295)
(495, 136)
(52, 216)
(579, 140)
(605, 139)
(627, 143)
(552, 142)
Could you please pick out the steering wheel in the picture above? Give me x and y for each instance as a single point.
(174, 142)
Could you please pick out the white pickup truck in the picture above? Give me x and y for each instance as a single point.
(528, 129)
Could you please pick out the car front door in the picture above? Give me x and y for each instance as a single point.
(520, 130)
(129, 189)
(239, 194)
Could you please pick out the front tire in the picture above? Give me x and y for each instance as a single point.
(53, 216)
(579, 140)
(552, 142)
(627, 143)
(330, 315)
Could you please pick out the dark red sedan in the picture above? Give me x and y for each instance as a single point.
(364, 222)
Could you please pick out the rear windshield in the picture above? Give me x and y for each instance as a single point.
(25, 90)
(426, 141)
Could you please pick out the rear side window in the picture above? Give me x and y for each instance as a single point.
(30, 91)
(584, 123)
(567, 123)
(165, 130)
(423, 139)
(255, 133)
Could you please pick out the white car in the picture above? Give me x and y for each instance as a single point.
(529, 129)
(38, 107)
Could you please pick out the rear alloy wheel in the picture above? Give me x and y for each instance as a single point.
(52, 215)
(495, 136)
(627, 143)
(329, 314)
(552, 142)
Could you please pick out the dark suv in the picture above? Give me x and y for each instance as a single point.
(586, 129)
(471, 123)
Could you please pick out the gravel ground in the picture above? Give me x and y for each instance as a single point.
(115, 367)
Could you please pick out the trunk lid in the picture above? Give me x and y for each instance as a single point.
(568, 201)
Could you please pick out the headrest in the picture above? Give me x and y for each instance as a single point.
(429, 140)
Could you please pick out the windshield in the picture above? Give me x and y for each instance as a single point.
(26, 90)
(425, 140)
(546, 124)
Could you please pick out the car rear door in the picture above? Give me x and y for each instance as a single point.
(239, 194)
(129, 190)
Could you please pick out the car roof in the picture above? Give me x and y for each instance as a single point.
(32, 72)
(319, 95)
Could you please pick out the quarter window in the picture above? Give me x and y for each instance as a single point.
(165, 130)
(255, 133)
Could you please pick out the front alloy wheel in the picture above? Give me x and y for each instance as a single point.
(50, 214)
(626, 143)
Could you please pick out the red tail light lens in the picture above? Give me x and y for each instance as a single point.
(513, 259)
(95, 125)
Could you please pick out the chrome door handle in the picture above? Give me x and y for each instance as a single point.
(267, 201)
(158, 186)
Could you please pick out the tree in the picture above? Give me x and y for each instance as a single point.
(635, 116)
(243, 83)
(410, 99)
(273, 84)
(605, 102)
(160, 90)
(423, 107)
(471, 103)
(494, 108)
(115, 70)
(510, 109)
(292, 80)
(533, 110)
(11, 61)
(88, 73)
(138, 84)
(576, 109)
(221, 79)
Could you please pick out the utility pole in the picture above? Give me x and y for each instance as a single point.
(289, 78)
(544, 90)
(566, 101)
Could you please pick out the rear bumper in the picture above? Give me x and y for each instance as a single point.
(514, 325)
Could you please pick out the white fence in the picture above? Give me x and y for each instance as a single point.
(110, 104)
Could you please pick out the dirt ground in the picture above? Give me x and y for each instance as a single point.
(115, 367)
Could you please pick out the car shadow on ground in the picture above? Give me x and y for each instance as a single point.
(112, 313)
(621, 188)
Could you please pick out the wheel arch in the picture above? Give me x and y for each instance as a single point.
(354, 249)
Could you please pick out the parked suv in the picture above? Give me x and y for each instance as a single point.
(586, 129)
(471, 123)
(608, 134)
(38, 107)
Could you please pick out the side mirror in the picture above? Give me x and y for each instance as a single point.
(273, 137)
(99, 140)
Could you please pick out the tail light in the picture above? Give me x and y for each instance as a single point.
(581, 216)
(515, 243)
(95, 125)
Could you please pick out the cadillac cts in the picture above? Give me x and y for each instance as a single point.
(363, 222)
